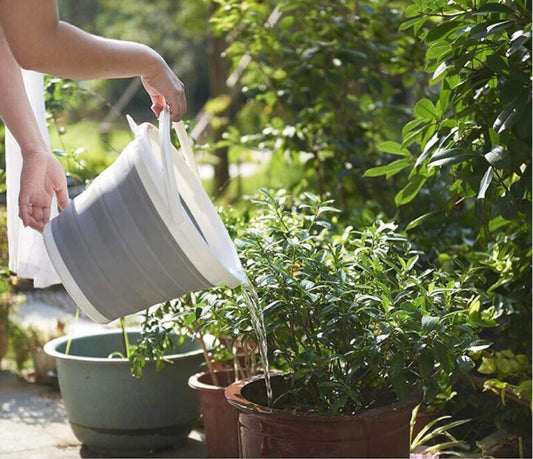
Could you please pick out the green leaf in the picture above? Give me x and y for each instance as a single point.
(499, 158)
(425, 109)
(490, 8)
(465, 363)
(409, 192)
(396, 377)
(415, 23)
(429, 323)
(418, 221)
(509, 115)
(518, 40)
(485, 182)
(524, 389)
(450, 156)
(488, 366)
(394, 148)
(427, 149)
(443, 29)
(438, 50)
(426, 363)
(389, 169)
(411, 125)
(412, 10)
(439, 71)
(479, 346)
(488, 28)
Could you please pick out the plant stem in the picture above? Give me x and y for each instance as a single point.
(69, 342)
(125, 340)
(479, 382)
(207, 359)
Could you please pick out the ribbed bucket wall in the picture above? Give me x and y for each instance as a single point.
(117, 248)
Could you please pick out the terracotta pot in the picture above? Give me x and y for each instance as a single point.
(377, 432)
(423, 418)
(219, 418)
(45, 366)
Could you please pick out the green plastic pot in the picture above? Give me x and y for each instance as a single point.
(112, 412)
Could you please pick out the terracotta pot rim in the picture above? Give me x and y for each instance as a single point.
(195, 383)
(234, 397)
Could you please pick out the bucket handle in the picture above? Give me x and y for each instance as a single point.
(169, 177)
(186, 147)
(169, 162)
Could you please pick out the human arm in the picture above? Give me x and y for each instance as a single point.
(42, 176)
(41, 42)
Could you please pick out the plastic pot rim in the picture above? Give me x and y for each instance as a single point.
(51, 349)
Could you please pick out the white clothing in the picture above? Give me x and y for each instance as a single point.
(27, 254)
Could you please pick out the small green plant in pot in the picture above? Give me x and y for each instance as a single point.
(215, 320)
(360, 327)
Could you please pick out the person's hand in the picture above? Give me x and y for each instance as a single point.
(166, 90)
(41, 177)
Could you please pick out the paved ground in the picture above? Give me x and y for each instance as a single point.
(33, 422)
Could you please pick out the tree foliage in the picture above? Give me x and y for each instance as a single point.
(329, 78)
(475, 133)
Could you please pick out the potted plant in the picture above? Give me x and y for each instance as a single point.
(21, 345)
(6, 302)
(360, 326)
(44, 365)
(112, 411)
(5, 305)
(228, 356)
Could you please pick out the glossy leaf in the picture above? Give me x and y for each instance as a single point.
(394, 148)
(426, 110)
(485, 182)
(409, 192)
(389, 169)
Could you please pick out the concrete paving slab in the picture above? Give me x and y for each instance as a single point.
(33, 424)
(33, 421)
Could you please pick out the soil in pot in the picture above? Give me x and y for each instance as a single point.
(376, 432)
(219, 417)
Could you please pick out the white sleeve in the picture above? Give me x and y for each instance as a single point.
(27, 254)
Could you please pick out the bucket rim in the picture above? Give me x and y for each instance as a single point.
(226, 267)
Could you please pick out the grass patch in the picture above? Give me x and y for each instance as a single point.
(93, 152)
(272, 174)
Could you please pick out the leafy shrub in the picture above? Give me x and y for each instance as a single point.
(354, 315)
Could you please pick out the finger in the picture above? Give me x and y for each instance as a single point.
(156, 108)
(183, 97)
(25, 209)
(46, 215)
(62, 197)
(28, 220)
(158, 103)
(158, 99)
(37, 213)
(178, 107)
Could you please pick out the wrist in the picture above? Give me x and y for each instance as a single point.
(33, 151)
(153, 65)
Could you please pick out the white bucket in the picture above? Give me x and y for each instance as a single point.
(143, 232)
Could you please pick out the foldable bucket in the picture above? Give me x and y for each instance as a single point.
(143, 232)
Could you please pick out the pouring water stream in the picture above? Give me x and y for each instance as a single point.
(256, 313)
